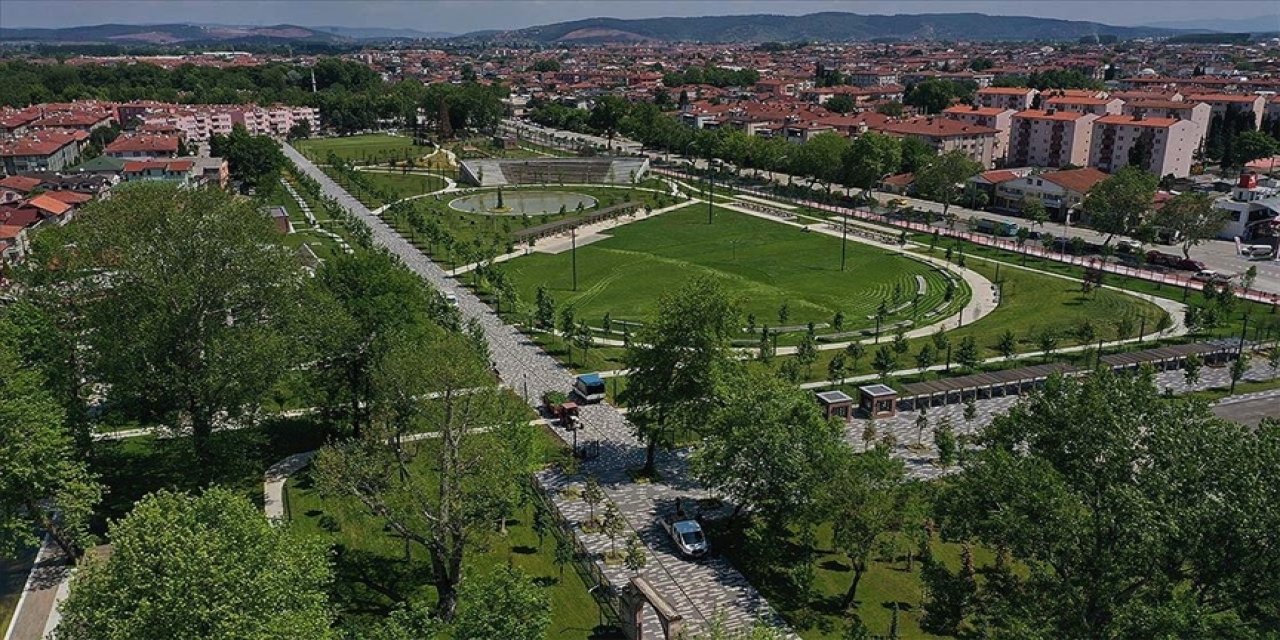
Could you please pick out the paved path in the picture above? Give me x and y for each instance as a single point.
(697, 590)
(37, 606)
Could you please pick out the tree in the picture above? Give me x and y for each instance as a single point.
(1008, 345)
(944, 438)
(195, 323)
(863, 501)
(1191, 370)
(44, 482)
(613, 525)
(884, 362)
(481, 458)
(934, 95)
(253, 580)
(635, 558)
(1033, 210)
(855, 352)
(607, 114)
(359, 302)
(676, 359)
(593, 495)
(916, 155)
(255, 161)
(767, 449)
(870, 158)
(967, 353)
(807, 351)
(926, 356)
(942, 179)
(841, 103)
(545, 310)
(1100, 484)
(1047, 340)
(503, 603)
(1252, 145)
(1119, 204)
(836, 369)
(1194, 216)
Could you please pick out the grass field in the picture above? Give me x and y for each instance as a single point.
(365, 149)
(762, 263)
(817, 615)
(370, 561)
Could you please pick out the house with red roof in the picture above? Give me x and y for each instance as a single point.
(51, 209)
(143, 146)
(13, 242)
(1059, 191)
(179, 171)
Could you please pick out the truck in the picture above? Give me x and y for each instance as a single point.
(996, 228)
(562, 410)
(686, 534)
(589, 387)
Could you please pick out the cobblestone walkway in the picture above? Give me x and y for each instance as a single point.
(697, 590)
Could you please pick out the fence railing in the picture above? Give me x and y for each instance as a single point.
(598, 583)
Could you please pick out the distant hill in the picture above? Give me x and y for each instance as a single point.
(165, 34)
(378, 33)
(1259, 24)
(827, 27)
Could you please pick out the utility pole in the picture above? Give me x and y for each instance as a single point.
(711, 191)
(573, 239)
(844, 239)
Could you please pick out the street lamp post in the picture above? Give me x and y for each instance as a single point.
(844, 238)
(573, 240)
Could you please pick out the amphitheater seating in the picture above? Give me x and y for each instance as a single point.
(493, 172)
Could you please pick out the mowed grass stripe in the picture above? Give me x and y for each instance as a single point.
(762, 263)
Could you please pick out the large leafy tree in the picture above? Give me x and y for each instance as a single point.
(483, 452)
(607, 114)
(943, 178)
(863, 500)
(44, 482)
(676, 361)
(768, 449)
(1134, 515)
(869, 158)
(187, 300)
(1194, 216)
(503, 604)
(1119, 204)
(934, 95)
(204, 567)
(254, 160)
(1252, 145)
(361, 299)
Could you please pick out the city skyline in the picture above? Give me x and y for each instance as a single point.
(457, 17)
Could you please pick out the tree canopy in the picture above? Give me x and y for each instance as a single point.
(1120, 203)
(205, 567)
(1135, 515)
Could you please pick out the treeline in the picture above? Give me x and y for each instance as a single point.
(712, 75)
(1051, 79)
(351, 96)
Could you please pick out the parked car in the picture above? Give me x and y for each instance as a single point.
(1129, 246)
(687, 535)
(1209, 275)
(1187, 264)
(452, 299)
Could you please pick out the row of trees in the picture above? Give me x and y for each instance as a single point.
(1092, 495)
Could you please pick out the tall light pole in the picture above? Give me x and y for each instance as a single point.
(573, 240)
(844, 238)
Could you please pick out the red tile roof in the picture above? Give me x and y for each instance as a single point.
(934, 127)
(143, 144)
(21, 184)
(962, 109)
(69, 197)
(1155, 123)
(1040, 114)
(1078, 180)
(43, 143)
(49, 205)
(1004, 91)
(19, 216)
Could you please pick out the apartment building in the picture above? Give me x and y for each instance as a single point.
(1083, 104)
(946, 135)
(199, 123)
(1196, 112)
(1050, 138)
(1016, 98)
(1059, 191)
(42, 151)
(1163, 146)
(991, 117)
(1222, 103)
(872, 77)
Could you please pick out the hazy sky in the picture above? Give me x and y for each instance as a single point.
(461, 16)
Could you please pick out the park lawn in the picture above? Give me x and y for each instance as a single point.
(818, 617)
(135, 467)
(370, 560)
(1031, 303)
(365, 149)
(404, 185)
(762, 263)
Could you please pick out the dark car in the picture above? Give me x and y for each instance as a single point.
(1187, 264)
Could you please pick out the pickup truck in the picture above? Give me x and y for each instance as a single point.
(562, 410)
(687, 535)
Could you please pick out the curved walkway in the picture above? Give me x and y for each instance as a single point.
(698, 590)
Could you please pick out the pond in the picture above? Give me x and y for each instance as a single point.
(518, 203)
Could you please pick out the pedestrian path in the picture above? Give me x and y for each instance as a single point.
(698, 590)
